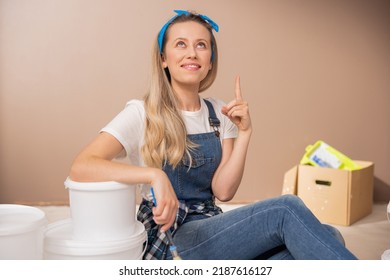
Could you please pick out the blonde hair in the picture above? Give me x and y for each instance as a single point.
(165, 132)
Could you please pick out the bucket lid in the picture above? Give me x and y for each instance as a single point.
(16, 219)
(94, 186)
(59, 239)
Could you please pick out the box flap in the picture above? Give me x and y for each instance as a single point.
(362, 191)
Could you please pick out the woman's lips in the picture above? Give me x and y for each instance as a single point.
(191, 66)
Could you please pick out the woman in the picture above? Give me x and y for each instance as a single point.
(193, 150)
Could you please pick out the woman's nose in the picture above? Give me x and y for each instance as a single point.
(191, 52)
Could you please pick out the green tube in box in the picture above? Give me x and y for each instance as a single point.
(323, 155)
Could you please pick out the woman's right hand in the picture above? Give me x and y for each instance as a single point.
(167, 204)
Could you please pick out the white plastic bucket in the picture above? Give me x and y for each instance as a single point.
(101, 210)
(60, 245)
(21, 232)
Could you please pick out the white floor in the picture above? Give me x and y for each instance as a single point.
(368, 238)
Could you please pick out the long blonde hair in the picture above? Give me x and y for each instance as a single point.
(165, 132)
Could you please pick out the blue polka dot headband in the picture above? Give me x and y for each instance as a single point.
(179, 13)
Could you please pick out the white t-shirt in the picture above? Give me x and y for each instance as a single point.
(128, 128)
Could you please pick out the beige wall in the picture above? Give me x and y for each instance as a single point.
(310, 70)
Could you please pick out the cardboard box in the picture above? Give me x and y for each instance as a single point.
(335, 196)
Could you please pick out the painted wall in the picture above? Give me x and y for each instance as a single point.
(310, 70)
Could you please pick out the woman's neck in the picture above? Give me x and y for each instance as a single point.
(188, 98)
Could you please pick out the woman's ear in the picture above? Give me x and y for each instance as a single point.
(164, 64)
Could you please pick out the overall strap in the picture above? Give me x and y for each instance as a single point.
(213, 120)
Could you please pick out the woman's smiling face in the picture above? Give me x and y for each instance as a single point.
(187, 53)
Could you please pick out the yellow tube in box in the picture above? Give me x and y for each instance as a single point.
(323, 155)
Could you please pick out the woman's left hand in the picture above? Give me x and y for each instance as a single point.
(238, 110)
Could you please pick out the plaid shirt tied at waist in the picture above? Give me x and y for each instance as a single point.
(157, 244)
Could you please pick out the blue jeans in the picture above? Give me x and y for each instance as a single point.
(277, 228)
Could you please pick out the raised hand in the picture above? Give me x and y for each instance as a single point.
(237, 110)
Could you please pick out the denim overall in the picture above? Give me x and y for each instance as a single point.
(191, 180)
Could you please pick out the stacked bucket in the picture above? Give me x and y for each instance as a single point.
(102, 226)
(21, 232)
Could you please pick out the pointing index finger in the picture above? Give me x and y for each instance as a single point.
(238, 89)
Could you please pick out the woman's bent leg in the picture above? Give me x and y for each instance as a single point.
(249, 231)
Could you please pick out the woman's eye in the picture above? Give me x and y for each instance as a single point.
(181, 44)
(201, 45)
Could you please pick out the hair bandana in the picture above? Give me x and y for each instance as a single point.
(179, 13)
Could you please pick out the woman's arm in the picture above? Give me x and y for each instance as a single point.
(95, 164)
(228, 175)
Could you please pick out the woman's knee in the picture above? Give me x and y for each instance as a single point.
(294, 204)
(292, 200)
